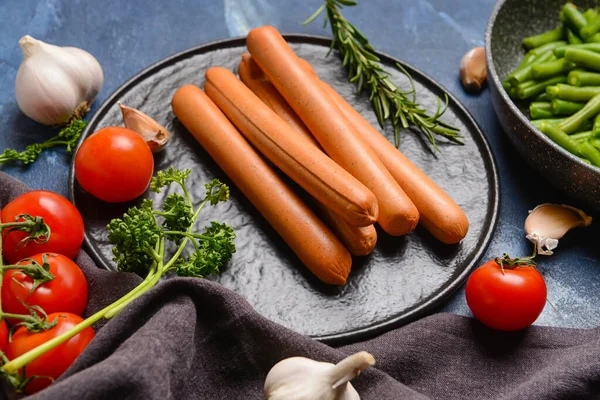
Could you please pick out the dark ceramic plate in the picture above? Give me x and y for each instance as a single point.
(511, 21)
(403, 279)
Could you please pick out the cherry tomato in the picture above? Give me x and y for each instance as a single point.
(67, 292)
(56, 361)
(114, 164)
(3, 336)
(506, 300)
(65, 222)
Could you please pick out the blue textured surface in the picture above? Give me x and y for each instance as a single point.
(126, 37)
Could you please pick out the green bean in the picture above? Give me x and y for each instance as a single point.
(590, 152)
(572, 93)
(586, 127)
(513, 91)
(542, 97)
(548, 47)
(560, 50)
(594, 39)
(591, 28)
(544, 38)
(525, 92)
(572, 38)
(527, 60)
(524, 74)
(573, 17)
(581, 136)
(560, 138)
(538, 122)
(583, 58)
(583, 78)
(596, 127)
(594, 141)
(540, 110)
(571, 124)
(551, 68)
(589, 14)
(564, 107)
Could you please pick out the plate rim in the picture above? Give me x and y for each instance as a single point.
(483, 144)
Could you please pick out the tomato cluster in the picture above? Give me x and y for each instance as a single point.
(63, 298)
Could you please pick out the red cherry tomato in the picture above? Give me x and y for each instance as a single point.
(3, 336)
(506, 300)
(114, 164)
(56, 361)
(67, 292)
(65, 222)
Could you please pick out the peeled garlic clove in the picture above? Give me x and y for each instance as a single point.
(473, 71)
(547, 223)
(56, 84)
(153, 133)
(299, 378)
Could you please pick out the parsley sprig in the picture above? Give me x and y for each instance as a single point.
(67, 136)
(139, 241)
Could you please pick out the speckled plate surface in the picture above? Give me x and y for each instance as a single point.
(403, 279)
(510, 22)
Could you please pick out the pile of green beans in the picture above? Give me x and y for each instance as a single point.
(559, 78)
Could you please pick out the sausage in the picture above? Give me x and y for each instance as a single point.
(319, 175)
(256, 80)
(440, 215)
(359, 241)
(314, 244)
(302, 91)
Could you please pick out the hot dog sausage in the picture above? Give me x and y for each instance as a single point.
(302, 91)
(314, 244)
(319, 175)
(440, 215)
(359, 241)
(256, 80)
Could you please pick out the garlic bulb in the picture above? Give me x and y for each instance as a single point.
(549, 222)
(299, 378)
(55, 84)
(153, 133)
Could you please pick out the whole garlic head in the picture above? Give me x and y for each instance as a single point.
(55, 84)
(299, 378)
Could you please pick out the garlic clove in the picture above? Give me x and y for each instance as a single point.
(153, 133)
(56, 84)
(473, 72)
(300, 378)
(547, 223)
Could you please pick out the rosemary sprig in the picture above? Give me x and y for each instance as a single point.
(364, 69)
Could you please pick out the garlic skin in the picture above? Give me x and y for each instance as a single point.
(299, 378)
(473, 72)
(55, 84)
(155, 135)
(547, 223)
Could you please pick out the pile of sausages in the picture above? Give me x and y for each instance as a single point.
(307, 130)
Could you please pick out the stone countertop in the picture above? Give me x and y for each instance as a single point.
(126, 37)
